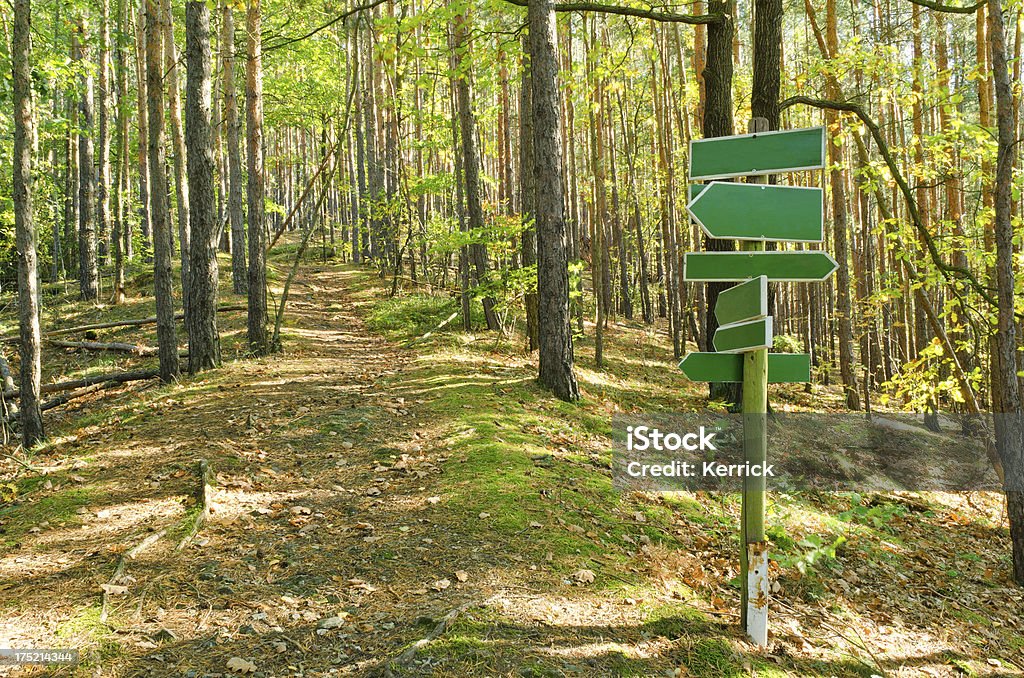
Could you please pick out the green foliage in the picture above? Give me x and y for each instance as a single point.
(411, 315)
(787, 343)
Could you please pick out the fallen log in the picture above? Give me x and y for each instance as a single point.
(118, 323)
(113, 346)
(111, 378)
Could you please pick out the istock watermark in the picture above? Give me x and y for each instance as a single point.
(828, 452)
(642, 438)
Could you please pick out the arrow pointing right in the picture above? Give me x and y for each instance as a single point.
(806, 266)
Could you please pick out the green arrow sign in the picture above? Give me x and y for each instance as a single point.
(783, 368)
(760, 153)
(747, 336)
(758, 212)
(745, 301)
(777, 266)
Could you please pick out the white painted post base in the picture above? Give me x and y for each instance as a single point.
(757, 593)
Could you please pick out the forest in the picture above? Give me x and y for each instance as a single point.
(321, 323)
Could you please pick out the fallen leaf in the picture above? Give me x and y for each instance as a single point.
(461, 575)
(241, 665)
(441, 584)
(584, 576)
(332, 622)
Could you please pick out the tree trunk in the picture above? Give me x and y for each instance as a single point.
(24, 226)
(556, 351)
(121, 227)
(257, 324)
(88, 272)
(103, 182)
(163, 277)
(201, 317)
(840, 228)
(1009, 417)
(471, 164)
(718, 122)
(235, 216)
(143, 146)
(181, 187)
(528, 195)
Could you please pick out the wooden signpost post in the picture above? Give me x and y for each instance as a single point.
(754, 213)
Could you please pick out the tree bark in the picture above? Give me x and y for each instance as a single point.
(471, 164)
(840, 228)
(528, 193)
(1009, 417)
(718, 122)
(257, 323)
(556, 350)
(163, 277)
(181, 187)
(121, 230)
(201, 317)
(145, 224)
(88, 271)
(103, 180)
(24, 225)
(239, 279)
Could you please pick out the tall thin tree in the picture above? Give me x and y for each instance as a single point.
(257, 324)
(24, 225)
(88, 271)
(203, 338)
(239, 277)
(163, 277)
(556, 350)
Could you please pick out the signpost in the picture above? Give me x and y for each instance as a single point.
(757, 154)
(746, 301)
(742, 337)
(754, 213)
(783, 368)
(804, 266)
(758, 212)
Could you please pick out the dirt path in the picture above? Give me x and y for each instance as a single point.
(328, 550)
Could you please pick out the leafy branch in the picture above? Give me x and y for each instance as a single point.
(948, 270)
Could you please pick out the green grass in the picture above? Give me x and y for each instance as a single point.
(406, 317)
(59, 507)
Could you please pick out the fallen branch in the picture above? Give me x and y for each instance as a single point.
(111, 587)
(110, 378)
(403, 660)
(118, 323)
(7, 409)
(203, 500)
(113, 346)
(443, 324)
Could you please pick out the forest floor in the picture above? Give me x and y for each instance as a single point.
(371, 493)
